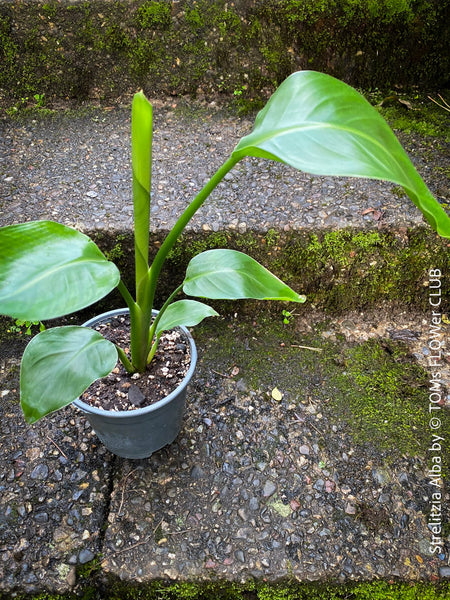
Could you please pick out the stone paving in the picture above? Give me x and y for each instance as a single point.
(76, 169)
(254, 487)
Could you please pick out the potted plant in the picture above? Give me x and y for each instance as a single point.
(313, 122)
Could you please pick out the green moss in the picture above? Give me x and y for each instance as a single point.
(251, 590)
(80, 49)
(194, 17)
(398, 191)
(154, 14)
(383, 394)
(424, 117)
(340, 270)
(89, 569)
(337, 270)
(378, 590)
(189, 246)
(376, 388)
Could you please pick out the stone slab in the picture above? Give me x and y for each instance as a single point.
(258, 487)
(75, 169)
(54, 489)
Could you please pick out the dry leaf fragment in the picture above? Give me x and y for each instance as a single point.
(277, 395)
(376, 214)
(396, 100)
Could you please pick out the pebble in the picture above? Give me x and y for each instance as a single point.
(269, 488)
(384, 498)
(240, 556)
(41, 517)
(85, 556)
(243, 514)
(350, 509)
(253, 503)
(404, 521)
(197, 472)
(40, 472)
(403, 479)
(319, 485)
(135, 395)
(228, 468)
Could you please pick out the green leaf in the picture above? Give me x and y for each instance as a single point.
(48, 270)
(184, 312)
(58, 365)
(320, 125)
(230, 275)
(141, 156)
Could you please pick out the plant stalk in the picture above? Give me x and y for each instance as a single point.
(156, 321)
(179, 226)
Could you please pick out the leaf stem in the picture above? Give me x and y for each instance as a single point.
(162, 310)
(126, 295)
(153, 349)
(179, 226)
(125, 360)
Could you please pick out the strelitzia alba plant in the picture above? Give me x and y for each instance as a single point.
(313, 122)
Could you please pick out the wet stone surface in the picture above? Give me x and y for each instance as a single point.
(76, 170)
(54, 488)
(254, 486)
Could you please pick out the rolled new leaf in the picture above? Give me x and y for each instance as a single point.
(141, 158)
(320, 125)
(48, 270)
(231, 275)
(184, 312)
(58, 365)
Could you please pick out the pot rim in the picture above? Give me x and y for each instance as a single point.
(87, 408)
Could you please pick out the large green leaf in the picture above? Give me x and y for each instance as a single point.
(320, 125)
(48, 270)
(184, 312)
(229, 275)
(58, 365)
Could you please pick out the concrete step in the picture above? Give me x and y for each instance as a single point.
(347, 243)
(328, 482)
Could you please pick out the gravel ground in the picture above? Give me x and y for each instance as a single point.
(253, 486)
(76, 170)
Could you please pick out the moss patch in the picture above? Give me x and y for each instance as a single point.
(244, 50)
(345, 269)
(337, 270)
(376, 387)
(378, 590)
(414, 113)
(383, 394)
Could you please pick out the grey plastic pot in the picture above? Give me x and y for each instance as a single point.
(139, 433)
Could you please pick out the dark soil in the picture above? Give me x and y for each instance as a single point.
(120, 391)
